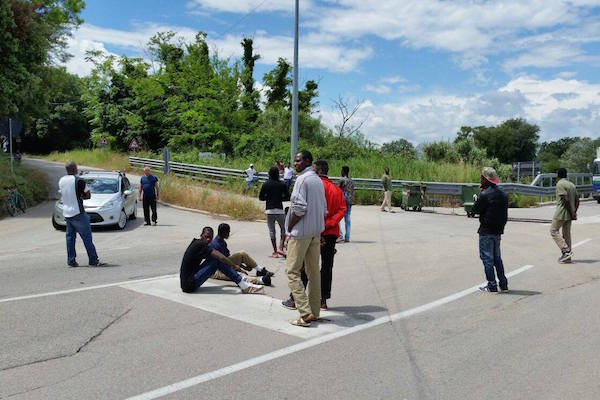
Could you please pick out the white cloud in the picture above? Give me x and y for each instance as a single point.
(380, 89)
(247, 6)
(78, 48)
(560, 107)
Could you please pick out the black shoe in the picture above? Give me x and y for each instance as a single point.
(565, 257)
(73, 264)
(147, 224)
(489, 289)
(264, 272)
(266, 280)
(504, 288)
(98, 264)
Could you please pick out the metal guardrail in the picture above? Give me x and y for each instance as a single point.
(222, 175)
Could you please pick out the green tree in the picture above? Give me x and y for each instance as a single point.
(440, 151)
(32, 36)
(250, 96)
(513, 140)
(278, 80)
(551, 152)
(400, 147)
(579, 156)
(306, 97)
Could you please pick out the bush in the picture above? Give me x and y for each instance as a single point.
(32, 184)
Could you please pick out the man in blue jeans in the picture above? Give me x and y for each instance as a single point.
(73, 191)
(492, 207)
(200, 262)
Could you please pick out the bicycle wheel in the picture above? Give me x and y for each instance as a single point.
(21, 202)
(10, 207)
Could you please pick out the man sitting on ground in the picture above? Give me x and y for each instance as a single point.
(200, 262)
(263, 277)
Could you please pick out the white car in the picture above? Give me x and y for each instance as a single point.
(112, 201)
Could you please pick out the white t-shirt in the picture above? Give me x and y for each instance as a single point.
(288, 173)
(72, 189)
(250, 172)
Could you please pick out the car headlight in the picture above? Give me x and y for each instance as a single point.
(109, 205)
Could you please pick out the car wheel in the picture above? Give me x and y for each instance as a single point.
(134, 213)
(57, 226)
(122, 220)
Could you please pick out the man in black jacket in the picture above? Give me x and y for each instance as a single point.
(492, 207)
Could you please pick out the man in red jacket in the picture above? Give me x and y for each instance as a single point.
(336, 209)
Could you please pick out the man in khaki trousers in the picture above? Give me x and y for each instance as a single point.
(386, 181)
(567, 203)
(305, 222)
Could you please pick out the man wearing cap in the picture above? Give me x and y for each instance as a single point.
(251, 176)
(492, 207)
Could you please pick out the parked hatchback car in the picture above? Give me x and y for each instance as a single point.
(112, 201)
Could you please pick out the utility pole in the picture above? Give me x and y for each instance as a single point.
(294, 149)
(10, 144)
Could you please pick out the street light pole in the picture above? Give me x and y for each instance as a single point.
(294, 149)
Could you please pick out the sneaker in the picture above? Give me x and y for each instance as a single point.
(266, 280)
(154, 223)
(253, 289)
(504, 289)
(264, 272)
(565, 257)
(74, 264)
(289, 304)
(340, 240)
(147, 224)
(488, 289)
(98, 264)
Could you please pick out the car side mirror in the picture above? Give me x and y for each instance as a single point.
(127, 192)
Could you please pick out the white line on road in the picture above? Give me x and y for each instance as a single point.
(209, 376)
(581, 243)
(106, 285)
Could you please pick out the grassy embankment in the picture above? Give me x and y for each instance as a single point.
(173, 190)
(32, 184)
(413, 170)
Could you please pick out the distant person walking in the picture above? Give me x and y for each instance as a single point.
(492, 207)
(567, 204)
(251, 177)
(288, 175)
(347, 186)
(386, 181)
(149, 187)
(305, 223)
(73, 190)
(275, 192)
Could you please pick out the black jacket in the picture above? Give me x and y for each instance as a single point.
(492, 207)
(274, 193)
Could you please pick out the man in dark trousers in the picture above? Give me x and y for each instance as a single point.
(492, 207)
(149, 186)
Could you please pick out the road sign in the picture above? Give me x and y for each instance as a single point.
(133, 145)
(103, 142)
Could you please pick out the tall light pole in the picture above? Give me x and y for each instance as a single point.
(294, 149)
(10, 144)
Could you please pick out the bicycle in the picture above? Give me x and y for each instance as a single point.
(14, 201)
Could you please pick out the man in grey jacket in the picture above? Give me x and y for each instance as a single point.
(304, 226)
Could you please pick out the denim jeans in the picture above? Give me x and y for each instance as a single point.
(346, 235)
(80, 224)
(208, 268)
(489, 252)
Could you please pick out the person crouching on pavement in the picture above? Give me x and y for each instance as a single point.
(200, 262)
(492, 207)
(241, 258)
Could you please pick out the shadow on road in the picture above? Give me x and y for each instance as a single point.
(359, 312)
(521, 292)
(585, 261)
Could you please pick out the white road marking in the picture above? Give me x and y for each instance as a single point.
(222, 298)
(209, 376)
(581, 243)
(82, 289)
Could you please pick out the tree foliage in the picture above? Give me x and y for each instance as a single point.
(579, 156)
(511, 141)
(400, 147)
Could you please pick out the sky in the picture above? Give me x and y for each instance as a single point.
(420, 69)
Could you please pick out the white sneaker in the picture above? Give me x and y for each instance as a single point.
(253, 289)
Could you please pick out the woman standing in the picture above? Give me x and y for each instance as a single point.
(274, 192)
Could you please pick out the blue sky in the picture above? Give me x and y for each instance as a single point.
(419, 68)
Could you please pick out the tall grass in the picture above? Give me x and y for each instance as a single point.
(100, 158)
(32, 184)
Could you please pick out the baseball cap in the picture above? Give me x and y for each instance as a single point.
(490, 174)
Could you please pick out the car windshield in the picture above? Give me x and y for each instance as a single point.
(103, 185)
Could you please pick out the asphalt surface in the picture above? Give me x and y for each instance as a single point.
(405, 321)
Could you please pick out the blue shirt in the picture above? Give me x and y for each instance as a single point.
(148, 183)
(220, 245)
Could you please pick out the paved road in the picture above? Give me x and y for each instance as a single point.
(406, 321)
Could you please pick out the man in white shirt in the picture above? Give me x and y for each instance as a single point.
(251, 176)
(73, 191)
(288, 174)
